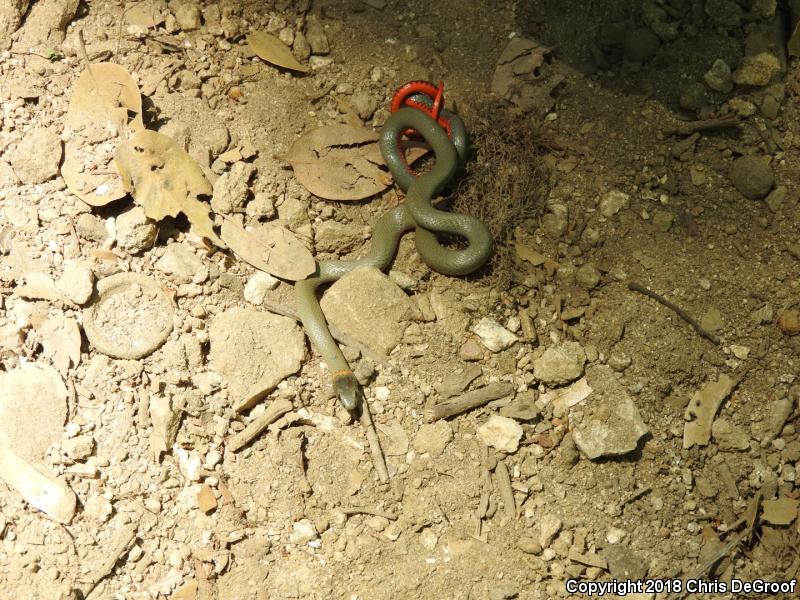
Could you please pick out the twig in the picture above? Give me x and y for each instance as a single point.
(340, 337)
(363, 510)
(638, 287)
(506, 492)
(470, 400)
(273, 412)
(374, 443)
(85, 55)
(689, 127)
(121, 543)
(635, 495)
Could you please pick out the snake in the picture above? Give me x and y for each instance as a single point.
(416, 212)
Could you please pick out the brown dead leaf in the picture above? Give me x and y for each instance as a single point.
(339, 162)
(270, 248)
(165, 180)
(273, 50)
(61, 339)
(105, 103)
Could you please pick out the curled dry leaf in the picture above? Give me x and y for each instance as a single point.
(105, 103)
(270, 248)
(165, 180)
(342, 162)
(273, 50)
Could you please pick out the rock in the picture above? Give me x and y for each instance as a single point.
(789, 321)
(91, 228)
(79, 448)
(262, 206)
(135, 232)
(549, 526)
(456, 381)
(98, 508)
(663, 220)
(782, 511)
(230, 190)
(257, 287)
(776, 198)
(560, 364)
(711, 320)
(301, 47)
(522, 407)
(765, 56)
(206, 500)
(470, 350)
(763, 315)
(719, 77)
(315, 34)
(607, 423)
(725, 13)
(37, 156)
(432, 438)
(365, 104)
(11, 13)
(449, 312)
(188, 17)
(640, 45)
(752, 176)
(493, 335)
(554, 224)
(254, 351)
(624, 564)
(369, 306)
(613, 202)
(587, 276)
(303, 532)
(180, 263)
(76, 282)
(45, 24)
(332, 236)
(529, 545)
(501, 433)
(656, 19)
(693, 96)
(729, 436)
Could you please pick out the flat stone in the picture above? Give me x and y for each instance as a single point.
(180, 263)
(549, 526)
(449, 312)
(607, 423)
(254, 351)
(729, 436)
(432, 438)
(256, 288)
(37, 156)
(332, 236)
(560, 363)
(613, 202)
(76, 281)
(752, 176)
(501, 433)
(493, 335)
(457, 381)
(470, 350)
(624, 564)
(188, 17)
(369, 306)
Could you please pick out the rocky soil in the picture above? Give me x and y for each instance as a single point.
(617, 398)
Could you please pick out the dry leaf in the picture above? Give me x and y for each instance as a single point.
(105, 103)
(273, 50)
(165, 180)
(61, 339)
(342, 162)
(271, 248)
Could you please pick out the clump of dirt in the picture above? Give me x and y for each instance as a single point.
(506, 181)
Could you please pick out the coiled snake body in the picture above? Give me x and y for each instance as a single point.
(416, 213)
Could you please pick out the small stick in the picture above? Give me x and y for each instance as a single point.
(363, 510)
(638, 287)
(635, 495)
(506, 492)
(121, 543)
(374, 443)
(340, 337)
(470, 400)
(273, 412)
(689, 127)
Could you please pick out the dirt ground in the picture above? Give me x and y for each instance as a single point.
(606, 180)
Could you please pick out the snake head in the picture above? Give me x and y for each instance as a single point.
(348, 390)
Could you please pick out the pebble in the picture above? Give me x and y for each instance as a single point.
(719, 77)
(615, 535)
(257, 287)
(180, 263)
(231, 190)
(37, 156)
(89, 227)
(135, 232)
(776, 198)
(529, 545)
(549, 526)
(188, 17)
(470, 350)
(76, 282)
(98, 508)
(560, 364)
(79, 448)
(432, 438)
(613, 202)
(693, 96)
(789, 321)
(303, 532)
(317, 39)
(493, 335)
(501, 433)
(640, 45)
(332, 236)
(556, 221)
(729, 436)
(663, 220)
(587, 276)
(752, 176)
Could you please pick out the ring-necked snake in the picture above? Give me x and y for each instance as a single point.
(416, 213)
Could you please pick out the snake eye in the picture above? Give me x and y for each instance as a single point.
(348, 391)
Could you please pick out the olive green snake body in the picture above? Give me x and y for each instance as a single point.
(416, 213)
